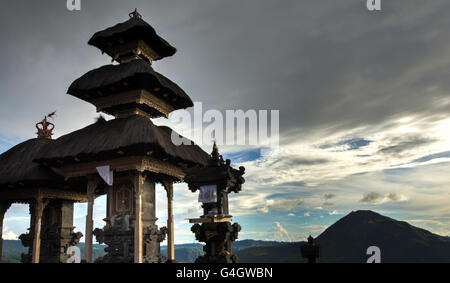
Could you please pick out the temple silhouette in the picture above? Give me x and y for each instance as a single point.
(122, 158)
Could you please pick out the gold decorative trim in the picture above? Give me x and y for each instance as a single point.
(130, 112)
(134, 96)
(121, 164)
(214, 219)
(138, 47)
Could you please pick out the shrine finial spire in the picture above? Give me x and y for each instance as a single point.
(135, 14)
(45, 128)
(215, 152)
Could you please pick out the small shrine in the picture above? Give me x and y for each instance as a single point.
(214, 183)
(311, 251)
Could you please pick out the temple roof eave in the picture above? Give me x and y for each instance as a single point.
(133, 75)
(120, 137)
(17, 166)
(133, 28)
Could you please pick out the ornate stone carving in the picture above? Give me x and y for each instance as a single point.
(152, 239)
(57, 233)
(219, 239)
(55, 241)
(123, 199)
(121, 244)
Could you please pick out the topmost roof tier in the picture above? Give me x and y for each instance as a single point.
(131, 39)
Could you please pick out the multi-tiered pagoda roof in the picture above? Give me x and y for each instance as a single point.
(133, 92)
(132, 86)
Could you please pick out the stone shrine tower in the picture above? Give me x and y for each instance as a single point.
(129, 152)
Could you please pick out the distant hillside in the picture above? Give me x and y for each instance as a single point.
(12, 249)
(345, 241)
(348, 239)
(183, 252)
(245, 244)
(279, 253)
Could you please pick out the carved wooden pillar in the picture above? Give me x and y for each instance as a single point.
(91, 186)
(39, 209)
(168, 186)
(138, 235)
(4, 206)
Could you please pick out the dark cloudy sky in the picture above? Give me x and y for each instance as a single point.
(363, 99)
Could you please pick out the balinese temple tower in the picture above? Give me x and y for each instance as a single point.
(132, 86)
(123, 158)
(129, 152)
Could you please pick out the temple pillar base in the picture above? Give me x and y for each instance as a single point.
(219, 238)
(120, 244)
(57, 233)
(55, 241)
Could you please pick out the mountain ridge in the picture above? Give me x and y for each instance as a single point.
(346, 240)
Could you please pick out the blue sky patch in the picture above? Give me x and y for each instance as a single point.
(293, 184)
(355, 143)
(244, 155)
(432, 156)
(352, 144)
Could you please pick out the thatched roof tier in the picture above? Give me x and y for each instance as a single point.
(223, 176)
(17, 166)
(217, 172)
(134, 75)
(131, 136)
(131, 30)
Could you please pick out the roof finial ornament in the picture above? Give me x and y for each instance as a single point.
(215, 152)
(135, 14)
(45, 128)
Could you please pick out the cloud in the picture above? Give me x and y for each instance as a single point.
(371, 197)
(296, 161)
(285, 204)
(9, 235)
(291, 214)
(17, 218)
(405, 144)
(307, 214)
(314, 229)
(438, 225)
(329, 196)
(280, 233)
(377, 198)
